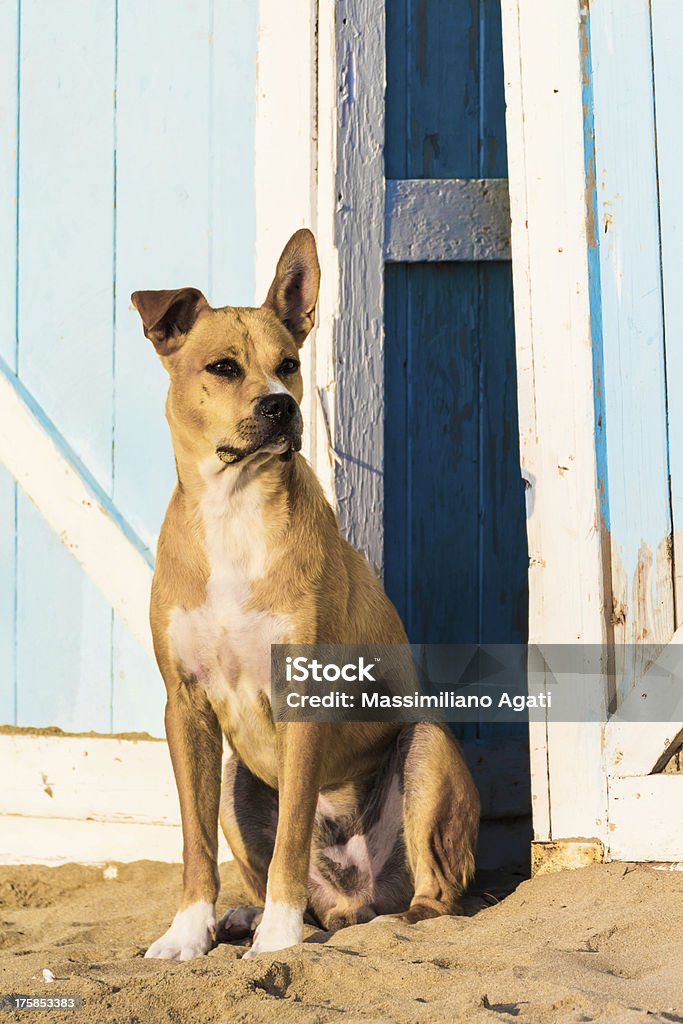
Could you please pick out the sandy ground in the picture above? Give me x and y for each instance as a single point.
(601, 944)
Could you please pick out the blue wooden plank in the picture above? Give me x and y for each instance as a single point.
(63, 634)
(162, 227)
(65, 230)
(397, 474)
(7, 598)
(66, 190)
(632, 321)
(232, 112)
(138, 694)
(433, 82)
(185, 215)
(9, 113)
(9, 109)
(667, 31)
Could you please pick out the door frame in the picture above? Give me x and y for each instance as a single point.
(596, 789)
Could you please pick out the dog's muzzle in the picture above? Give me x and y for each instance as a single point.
(275, 424)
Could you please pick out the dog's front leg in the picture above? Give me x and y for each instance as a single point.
(300, 756)
(195, 743)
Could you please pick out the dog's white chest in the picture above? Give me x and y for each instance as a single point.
(224, 644)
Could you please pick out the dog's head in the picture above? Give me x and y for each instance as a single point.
(235, 379)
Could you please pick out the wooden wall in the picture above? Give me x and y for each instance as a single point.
(126, 161)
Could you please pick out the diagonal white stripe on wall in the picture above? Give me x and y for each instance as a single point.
(75, 512)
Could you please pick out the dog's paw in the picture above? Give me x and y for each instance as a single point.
(281, 926)
(192, 933)
(238, 923)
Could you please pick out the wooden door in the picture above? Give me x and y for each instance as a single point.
(126, 161)
(455, 553)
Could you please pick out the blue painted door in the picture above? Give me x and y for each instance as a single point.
(126, 161)
(455, 536)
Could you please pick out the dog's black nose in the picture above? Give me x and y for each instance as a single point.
(279, 407)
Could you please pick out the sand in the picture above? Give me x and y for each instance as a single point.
(601, 944)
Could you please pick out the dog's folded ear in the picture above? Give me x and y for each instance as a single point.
(168, 315)
(294, 290)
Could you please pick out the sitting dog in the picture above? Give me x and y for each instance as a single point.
(348, 821)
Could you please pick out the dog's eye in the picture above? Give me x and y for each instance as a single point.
(288, 366)
(225, 368)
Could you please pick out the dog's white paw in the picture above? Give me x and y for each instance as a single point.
(191, 934)
(281, 926)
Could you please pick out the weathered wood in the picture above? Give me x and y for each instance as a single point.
(630, 321)
(667, 29)
(564, 855)
(286, 109)
(79, 514)
(551, 241)
(427, 220)
(359, 222)
(644, 823)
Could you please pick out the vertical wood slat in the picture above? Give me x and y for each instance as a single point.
(63, 635)
(164, 185)
(65, 219)
(9, 95)
(70, 158)
(359, 221)
(550, 243)
(185, 215)
(667, 30)
(464, 468)
(632, 322)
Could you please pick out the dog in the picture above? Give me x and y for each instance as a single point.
(344, 821)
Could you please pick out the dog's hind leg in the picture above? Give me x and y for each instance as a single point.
(440, 819)
(248, 815)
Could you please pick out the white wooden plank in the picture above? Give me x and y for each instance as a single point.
(648, 723)
(644, 820)
(88, 799)
(286, 201)
(359, 222)
(324, 373)
(88, 777)
(550, 245)
(55, 841)
(458, 219)
(667, 29)
(73, 511)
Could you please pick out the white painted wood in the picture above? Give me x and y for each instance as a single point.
(53, 841)
(324, 458)
(88, 777)
(88, 799)
(73, 511)
(440, 219)
(648, 723)
(645, 820)
(547, 178)
(359, 235)
(285, 168)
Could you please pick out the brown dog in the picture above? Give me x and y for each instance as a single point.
(350, 821)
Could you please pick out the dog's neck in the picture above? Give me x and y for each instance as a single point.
(212, 491)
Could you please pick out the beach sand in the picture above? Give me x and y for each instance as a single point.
(601, 944)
